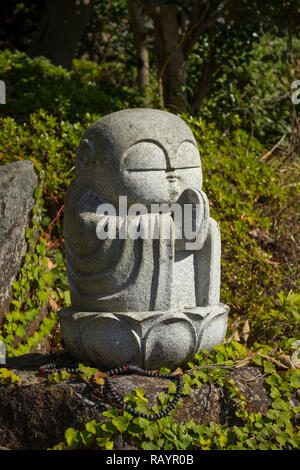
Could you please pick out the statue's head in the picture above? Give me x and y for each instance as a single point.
(148, 155)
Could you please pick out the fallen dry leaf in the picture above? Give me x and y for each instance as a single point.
(245, 331)
(50, 264)
(177, 371)
(243, 362)
(100, 374)
(99, 380)
(287, 361)
(57, 336)
(54, 243)
(236, 336)
(53, 305)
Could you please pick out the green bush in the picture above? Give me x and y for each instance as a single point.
(50, 143)
(256, 94)
(35, 83)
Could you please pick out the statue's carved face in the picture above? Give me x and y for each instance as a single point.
(158, 174)
(150, 156)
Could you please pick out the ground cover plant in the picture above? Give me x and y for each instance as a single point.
(253, 194)
(275, 430)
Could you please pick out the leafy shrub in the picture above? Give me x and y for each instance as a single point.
(245, 192)
(50, 143)
(256, 94)
(8, 377)
(35, 83)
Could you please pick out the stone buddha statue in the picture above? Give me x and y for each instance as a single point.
(143, 255)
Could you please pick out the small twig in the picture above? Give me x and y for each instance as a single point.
(266, 155)
(73, 168)
(271, 359)
(244, 362)
(55, 219)
(287, 361)
(223, 365)
(259, 376)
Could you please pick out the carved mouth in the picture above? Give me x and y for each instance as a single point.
(172, 178)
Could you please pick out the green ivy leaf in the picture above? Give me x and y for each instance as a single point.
(240, 348)
(20, 331)
(109, 427)
(135, 428)
(142, 406)
(105, 442)
(121, 423)
(273, 380)
(165, 370)
(282, 438)
(269, 368)
(87, 438)
(186, 389)
(72, 437)
(150, 446)
(93, 427)
(172, 388)
(139, 393)
(295, 441)
(151, 431)
(111, 413)
(280, 404)
(163, 398)
(295, 379)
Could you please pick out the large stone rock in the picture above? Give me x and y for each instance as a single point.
(36, 414)
(17, 183)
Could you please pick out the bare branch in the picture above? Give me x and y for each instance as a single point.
(200, 27)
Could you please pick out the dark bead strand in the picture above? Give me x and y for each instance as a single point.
(139, 371)
(112, 391)
(72, 368)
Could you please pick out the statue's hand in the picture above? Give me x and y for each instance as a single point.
(191, 226)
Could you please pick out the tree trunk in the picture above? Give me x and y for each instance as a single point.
(137, 18)
(170, 59)
(60, 30)
(175, 35)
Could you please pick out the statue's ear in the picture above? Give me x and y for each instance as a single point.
(85, 154)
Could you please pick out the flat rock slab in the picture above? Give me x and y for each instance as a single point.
(17, 184)
(35, 413)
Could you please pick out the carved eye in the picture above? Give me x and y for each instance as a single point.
(187, 156)
(144, 156)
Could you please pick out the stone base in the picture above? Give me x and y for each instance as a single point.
(147, 339)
